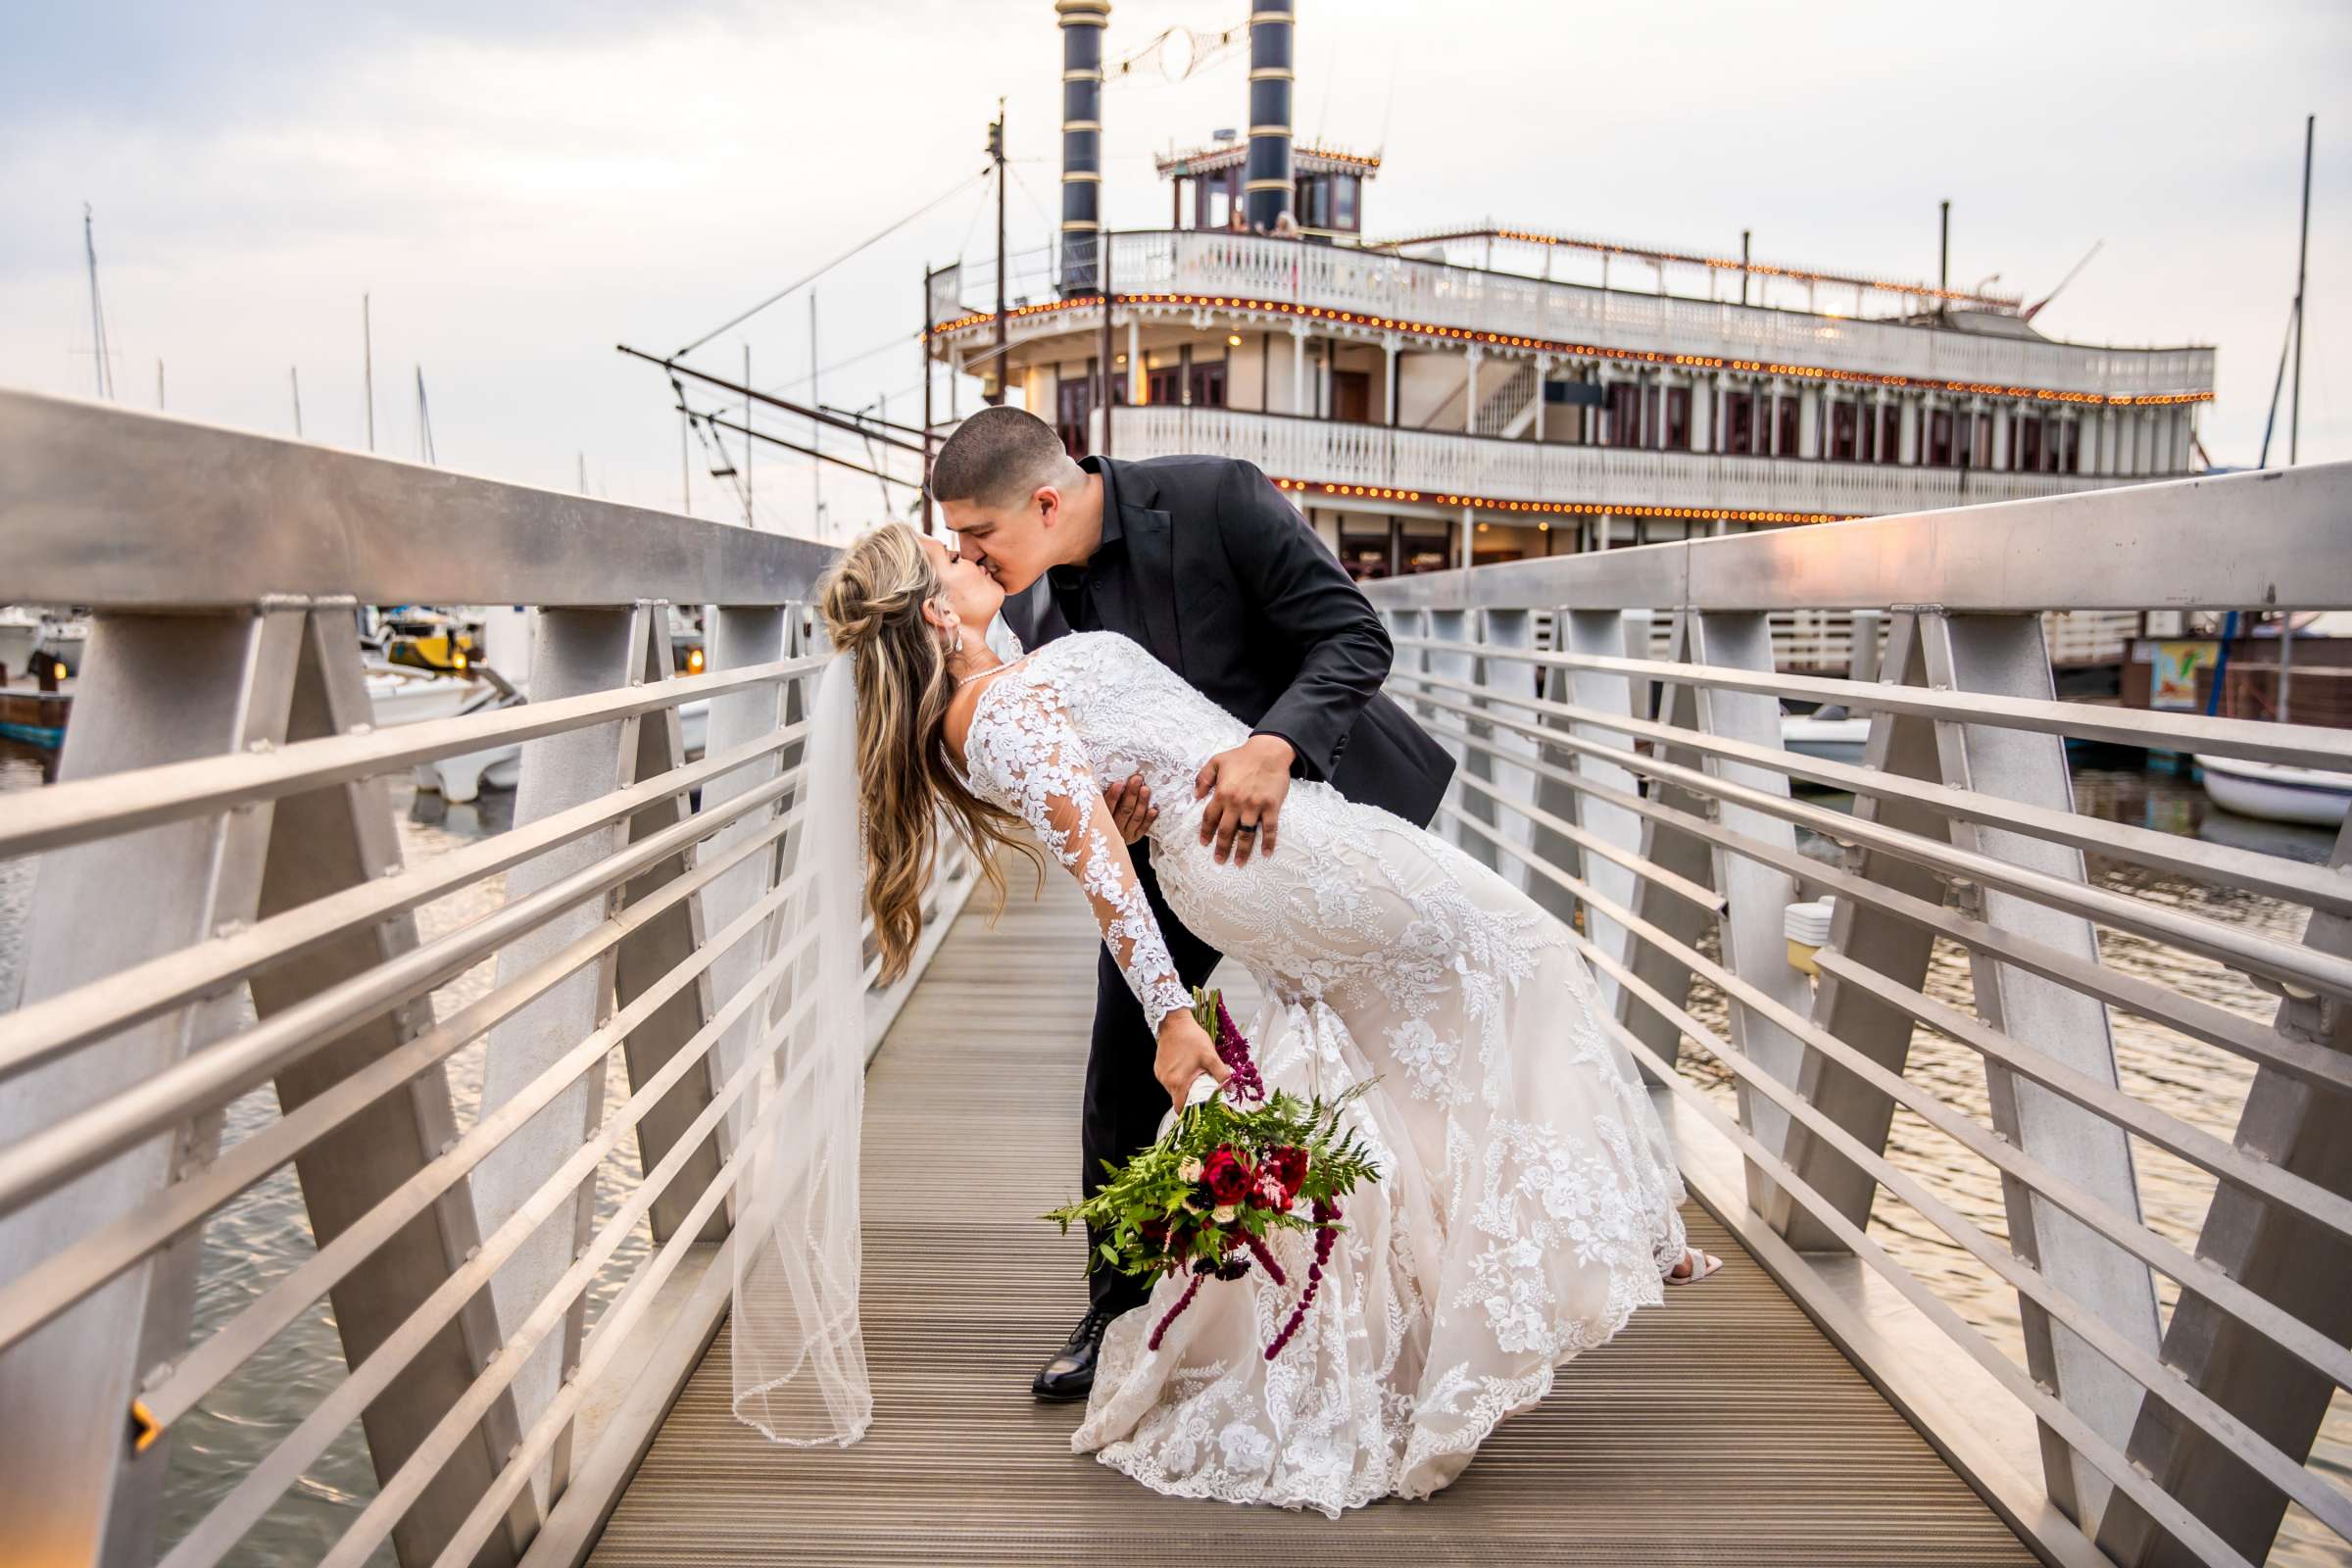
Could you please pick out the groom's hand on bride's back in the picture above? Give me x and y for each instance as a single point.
(1247, 787)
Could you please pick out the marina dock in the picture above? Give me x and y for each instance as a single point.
(1722, 1426)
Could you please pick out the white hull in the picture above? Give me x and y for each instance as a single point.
(463, 779)
(2277, 792)
(1833, 740)
(406, 697)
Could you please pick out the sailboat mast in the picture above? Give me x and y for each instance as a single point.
(294, 379)
(2294, 417)
(996, 153)
(368, 366)
(102, 377)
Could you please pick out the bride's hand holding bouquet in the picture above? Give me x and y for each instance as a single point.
(1232, 1169)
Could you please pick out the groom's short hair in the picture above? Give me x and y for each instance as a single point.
(997, 456)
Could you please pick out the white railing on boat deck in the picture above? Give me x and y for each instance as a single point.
(1433, 464)
(1244, 268)
(221, 908)
(1647, 798)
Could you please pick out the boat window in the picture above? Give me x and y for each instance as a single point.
(1678, 418)
(1342, 201)
(1842, 431)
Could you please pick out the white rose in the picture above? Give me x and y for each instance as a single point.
(1222, 1213)
(1189, 1171)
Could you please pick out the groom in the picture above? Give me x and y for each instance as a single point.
(1203, 561)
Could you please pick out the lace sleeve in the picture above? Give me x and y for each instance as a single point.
(1023, 751)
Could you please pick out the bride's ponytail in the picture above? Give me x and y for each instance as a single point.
(872, 601)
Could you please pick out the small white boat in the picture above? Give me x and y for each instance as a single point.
(20, 632)
(402, 694)
(1833, 740)
(463, 779)
(2277, 792)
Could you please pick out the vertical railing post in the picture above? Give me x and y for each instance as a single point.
(322, 842)
(2006, 656)
(655, 949)
(153, 689)
(1604, 634)
(1613, 635)
(742, 637)
(577, 651)
(1756, 894)
(1902, 745)
(1563, 801)
(1451, 628)
(1506, 630)
(2282, 1257)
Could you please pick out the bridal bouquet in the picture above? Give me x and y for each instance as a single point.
(1234, 1169)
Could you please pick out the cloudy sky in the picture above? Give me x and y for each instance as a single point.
(521, 186)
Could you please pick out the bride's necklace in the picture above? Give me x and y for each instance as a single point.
(971, 660)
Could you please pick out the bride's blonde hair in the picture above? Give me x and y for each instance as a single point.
(873, 600)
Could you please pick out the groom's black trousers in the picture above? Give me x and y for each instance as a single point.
(1124, 1103)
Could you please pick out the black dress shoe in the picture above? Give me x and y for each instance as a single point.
(1070, 1375)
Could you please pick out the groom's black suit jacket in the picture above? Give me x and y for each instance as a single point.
(1205, 564)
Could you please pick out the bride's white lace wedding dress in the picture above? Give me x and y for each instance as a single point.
(1527, 1201)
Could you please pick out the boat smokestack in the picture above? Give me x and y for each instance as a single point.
(1082, 22)
(1266, 183)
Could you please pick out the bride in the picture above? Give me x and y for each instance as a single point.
(1527, 1203)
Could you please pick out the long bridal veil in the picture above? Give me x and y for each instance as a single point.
(798, 1353)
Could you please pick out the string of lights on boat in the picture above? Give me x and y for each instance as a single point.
(1436, 332)
(1555, 509)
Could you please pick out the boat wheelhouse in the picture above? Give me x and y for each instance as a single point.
(1494, 393)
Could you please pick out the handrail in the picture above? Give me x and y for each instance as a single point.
(96, 507)
(222, 830)
(1599, 771)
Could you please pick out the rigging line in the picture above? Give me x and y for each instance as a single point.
(889, 345)
(714, 452)
(979, 205)
(1034, 206)
(2294, 328)
(738, 321)
(870, 458)
(795, 446)
(676, 370)
(864, 418)
(721, 465)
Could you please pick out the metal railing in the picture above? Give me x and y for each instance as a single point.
(220, 906)
(1242, 268)
(1437, 464)
(1649, 800)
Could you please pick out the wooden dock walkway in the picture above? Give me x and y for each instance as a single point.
(1721, 1428)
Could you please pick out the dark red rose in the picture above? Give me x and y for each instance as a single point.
(1228, 1176)
(1288, 1169)
(1154, 1231)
